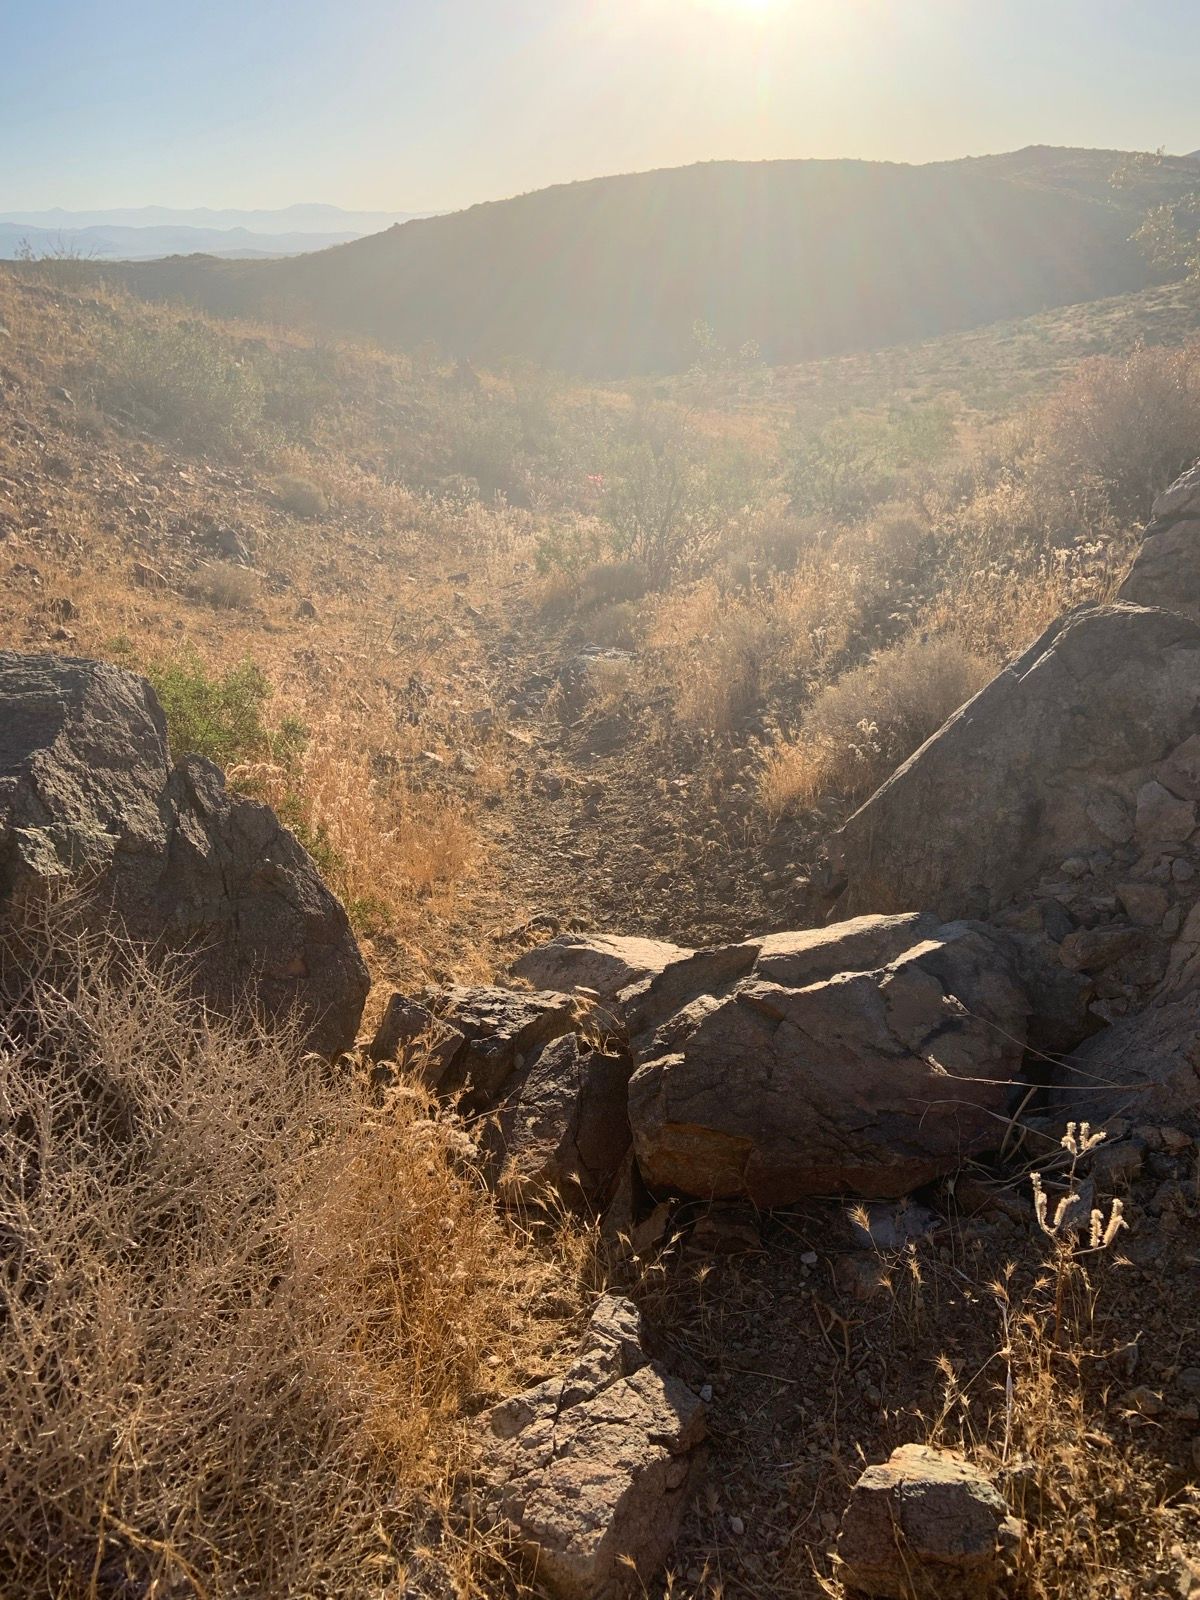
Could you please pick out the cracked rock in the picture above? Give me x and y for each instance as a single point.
(564, 1125)
(90, 802)
(866, 1082)
(590, 1473)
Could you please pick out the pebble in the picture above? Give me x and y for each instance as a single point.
(737, 1526)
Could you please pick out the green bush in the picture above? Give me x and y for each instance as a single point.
(184, 379)
(220, 715)
(671, 495)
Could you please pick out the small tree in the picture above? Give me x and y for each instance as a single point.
(669, 496)
(1169, 235)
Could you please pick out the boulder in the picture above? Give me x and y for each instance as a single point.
(501, 1031)
(926, 1525)
(90, 802)
(603, 963)
(1144, 1068)
(793, 959)
(413, 1037)
(564, 1125)
(590, 1473)
(1048, 764)
(1166, 569)
(870, 1082)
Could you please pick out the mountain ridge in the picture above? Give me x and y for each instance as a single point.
(607, 277)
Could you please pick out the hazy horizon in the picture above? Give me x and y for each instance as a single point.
(157, 211)
(418, 108)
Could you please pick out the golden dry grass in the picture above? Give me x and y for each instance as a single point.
(858, 729)
(246, 1308)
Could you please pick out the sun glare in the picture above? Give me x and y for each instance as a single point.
(743, 8)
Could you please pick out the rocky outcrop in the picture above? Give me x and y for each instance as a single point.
(1072, 754)
(469, 1041)
(601, 963)
(410, 1035)
(1166, 569)
(590, 1473)
(926, 1525)
(870, 1081)
(89, 801)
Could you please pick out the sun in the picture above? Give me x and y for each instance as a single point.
(746, 8)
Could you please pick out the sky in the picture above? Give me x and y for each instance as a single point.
(420, 105)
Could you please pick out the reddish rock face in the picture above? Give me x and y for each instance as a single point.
(590, 1473)
(926, 1525)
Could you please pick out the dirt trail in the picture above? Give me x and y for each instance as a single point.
(613, 818)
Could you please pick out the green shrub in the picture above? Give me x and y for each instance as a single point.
(671, 495)
(184, 379)
(219, 715)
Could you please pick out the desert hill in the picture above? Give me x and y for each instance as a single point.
(608, 277)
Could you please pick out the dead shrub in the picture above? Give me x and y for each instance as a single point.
(1129, 424)
(615, 626)
(715, 649)
(243, 1309)
(225, 586)
(301, 496)
(858, 729)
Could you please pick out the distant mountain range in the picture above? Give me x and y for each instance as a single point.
(608, 278)
(146, 232)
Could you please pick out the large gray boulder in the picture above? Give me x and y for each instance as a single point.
(870, 1081)
(1071, 754)
(90, 803)
(590, 1474)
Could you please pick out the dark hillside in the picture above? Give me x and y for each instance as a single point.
(807, 258)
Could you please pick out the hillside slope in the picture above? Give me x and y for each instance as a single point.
(807, 258)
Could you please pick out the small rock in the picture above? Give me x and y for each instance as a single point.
(1145, 903)
(1162, 817)
(1180, 772)
(1144, 1401)
(591, 1473)
(926, 1521)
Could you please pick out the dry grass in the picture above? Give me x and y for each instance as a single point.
(722, 652)
(301, 496)
(861, 727)
(1097, 1517)
(246, 1311)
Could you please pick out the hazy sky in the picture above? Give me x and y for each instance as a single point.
(431, 104)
